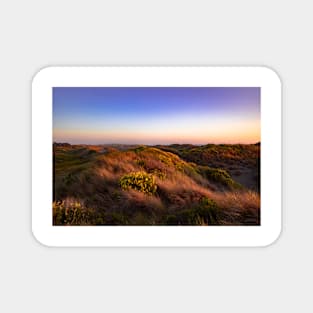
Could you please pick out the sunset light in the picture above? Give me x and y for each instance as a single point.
(156, 115)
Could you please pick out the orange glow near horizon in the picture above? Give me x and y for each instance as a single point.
(239, 133)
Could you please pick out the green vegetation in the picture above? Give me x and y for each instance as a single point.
(75, 214)
(241, 161)
(220, 176)
(159, 185)
(140, 181)
(70, 214)
(203, 213)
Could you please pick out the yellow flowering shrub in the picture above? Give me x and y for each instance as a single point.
(140, 181)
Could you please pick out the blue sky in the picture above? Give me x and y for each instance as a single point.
(152, 115)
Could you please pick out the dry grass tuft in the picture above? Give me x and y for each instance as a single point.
(241, 207)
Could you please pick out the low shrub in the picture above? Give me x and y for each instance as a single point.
(140, 181)
(139, 149)
(158, 173)
(207, 211)
(222, 177)
(204, 213)
(72, 213)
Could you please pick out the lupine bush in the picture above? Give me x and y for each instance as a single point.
(140, 181)
(72, 213)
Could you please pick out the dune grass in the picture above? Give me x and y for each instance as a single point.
(96, 185)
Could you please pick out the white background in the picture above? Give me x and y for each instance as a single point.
(35, 34)
(169, 236)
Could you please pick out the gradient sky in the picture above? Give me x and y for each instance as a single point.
(156, 115)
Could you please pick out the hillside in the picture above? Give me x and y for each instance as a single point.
(161, 185)
(241, 161)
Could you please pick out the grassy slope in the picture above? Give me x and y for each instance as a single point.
(88, 191)
(241, 161)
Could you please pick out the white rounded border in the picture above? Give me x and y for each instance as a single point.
(158, 236)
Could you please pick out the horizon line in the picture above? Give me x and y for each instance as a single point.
(157, 144)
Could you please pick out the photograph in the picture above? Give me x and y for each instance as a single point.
(156, 156)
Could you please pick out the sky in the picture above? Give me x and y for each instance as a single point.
(156, 115)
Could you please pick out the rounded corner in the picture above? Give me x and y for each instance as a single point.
(272, 73)
(273, 239)
(38, 239)
(40, 74)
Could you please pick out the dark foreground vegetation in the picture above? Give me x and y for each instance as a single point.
(159, 185)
